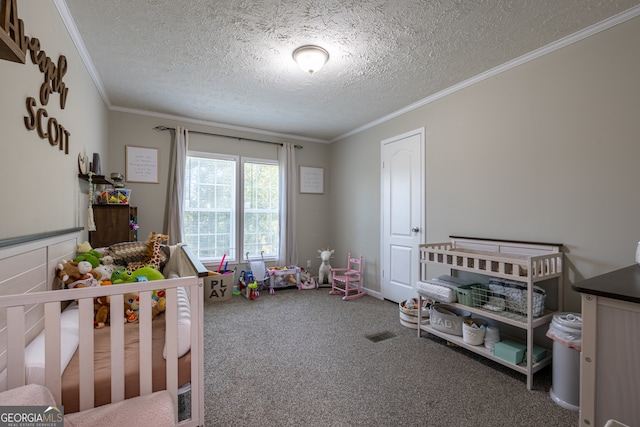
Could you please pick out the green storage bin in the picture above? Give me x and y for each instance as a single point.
(510, 351)
(464, 295)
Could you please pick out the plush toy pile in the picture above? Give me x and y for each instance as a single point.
(118, 265)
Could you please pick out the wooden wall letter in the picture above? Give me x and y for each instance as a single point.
(13, 47)
(12, 41)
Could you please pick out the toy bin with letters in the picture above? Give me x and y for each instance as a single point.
(219, 286)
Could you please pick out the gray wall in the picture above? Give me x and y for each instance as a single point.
(547, 151)
(42, 191)
(151, 199)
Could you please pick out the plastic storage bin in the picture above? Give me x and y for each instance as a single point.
(464, 295)
(281, 278)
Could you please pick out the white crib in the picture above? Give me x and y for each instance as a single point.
(31, 302)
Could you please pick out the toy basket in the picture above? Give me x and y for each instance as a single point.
(282, 277)
(409, 316)
(117, 196)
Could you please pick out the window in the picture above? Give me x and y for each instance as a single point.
(261, 209)
(215, 222)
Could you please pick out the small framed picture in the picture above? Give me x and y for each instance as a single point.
(311, 180)
(142, 164)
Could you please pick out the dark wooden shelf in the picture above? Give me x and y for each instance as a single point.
(96, 179)
(113, 225)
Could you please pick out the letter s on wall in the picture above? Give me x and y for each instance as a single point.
(30, 121)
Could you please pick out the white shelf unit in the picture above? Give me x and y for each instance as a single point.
(524, 262)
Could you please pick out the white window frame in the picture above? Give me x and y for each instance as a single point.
(240, 252)
(240, 231)
(236, 160)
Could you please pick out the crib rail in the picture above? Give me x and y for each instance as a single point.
(17, 305)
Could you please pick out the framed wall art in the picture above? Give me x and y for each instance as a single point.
(311, 180)
(142, 164)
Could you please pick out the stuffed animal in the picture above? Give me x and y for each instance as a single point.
(105, 270)
(101, 310)
(92, 256)
(87, 253)
(306, 280)
(154, 254)
(107, 260)
(70, 271)
(124, 276)
(131, 307)
(83, 247)
(117, 275)
(86, 282)
(159, 305)
(324, 272)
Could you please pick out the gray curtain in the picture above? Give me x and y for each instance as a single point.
(175, 229)
(288, 187)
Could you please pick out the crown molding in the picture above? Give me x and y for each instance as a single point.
(217, 125)
(72, 29)
(552, 47)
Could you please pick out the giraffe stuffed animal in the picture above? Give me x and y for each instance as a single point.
(154, 255)
(325, 268)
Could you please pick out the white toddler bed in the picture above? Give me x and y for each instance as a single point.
(32, 319)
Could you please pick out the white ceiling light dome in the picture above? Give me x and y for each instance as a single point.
(310, 58)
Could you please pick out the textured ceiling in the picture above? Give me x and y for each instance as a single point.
(229, 61)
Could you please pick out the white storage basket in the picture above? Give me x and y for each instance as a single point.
(448, 319)
(473, 333)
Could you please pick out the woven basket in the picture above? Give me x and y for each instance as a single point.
(409, 316)
(471, 335)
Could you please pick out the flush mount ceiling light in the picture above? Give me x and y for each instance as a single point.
(310, 58)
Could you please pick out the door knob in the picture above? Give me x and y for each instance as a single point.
(415, 229)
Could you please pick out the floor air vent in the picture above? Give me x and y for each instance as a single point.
(380, 336)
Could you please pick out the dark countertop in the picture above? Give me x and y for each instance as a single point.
(622, 284)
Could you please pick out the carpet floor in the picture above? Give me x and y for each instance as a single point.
(307, 358)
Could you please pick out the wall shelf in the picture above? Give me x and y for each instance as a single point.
(95, 179)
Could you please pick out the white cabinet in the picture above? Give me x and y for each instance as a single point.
(527, 263)
(610, 357)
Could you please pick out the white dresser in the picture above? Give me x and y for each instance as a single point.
(610, 357)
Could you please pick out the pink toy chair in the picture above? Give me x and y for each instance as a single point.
(348, 281)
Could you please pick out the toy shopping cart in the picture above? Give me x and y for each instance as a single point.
(256, 271)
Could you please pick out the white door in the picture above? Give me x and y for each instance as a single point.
(403, 216)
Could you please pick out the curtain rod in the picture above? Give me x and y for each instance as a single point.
(160, 128)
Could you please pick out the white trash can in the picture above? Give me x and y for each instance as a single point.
(566, 332)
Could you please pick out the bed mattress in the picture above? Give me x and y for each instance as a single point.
(102, 360)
